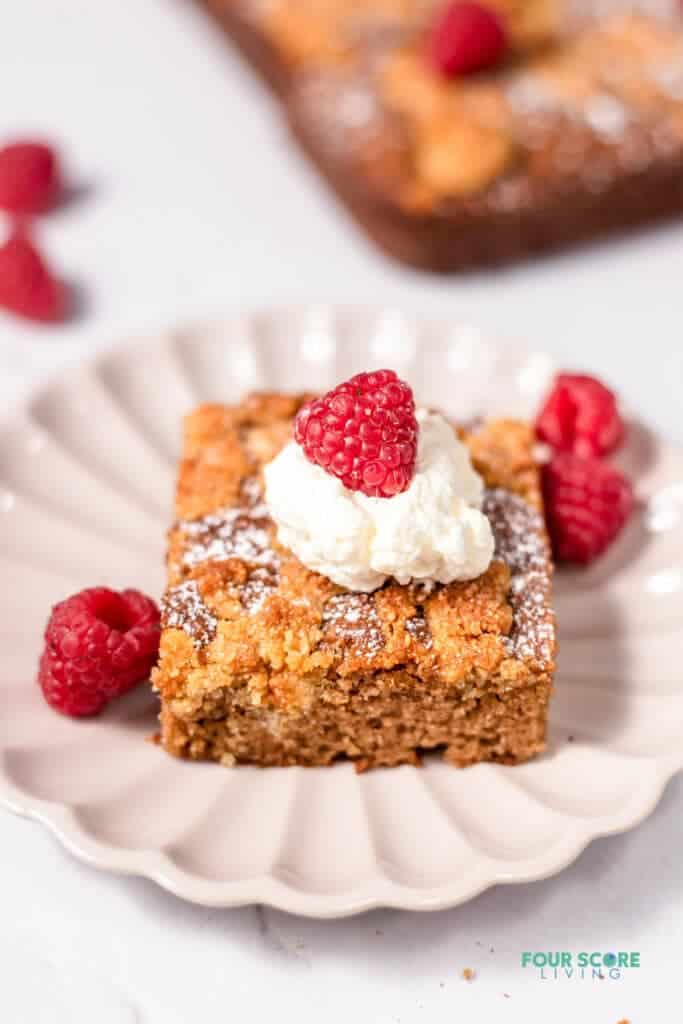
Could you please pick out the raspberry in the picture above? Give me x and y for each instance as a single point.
(27, 286)
(580, 415)
(364, 432)
(587, 503)
(466, 37)
(98, 644)
(29, 177)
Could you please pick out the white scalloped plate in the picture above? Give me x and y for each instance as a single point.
(86, 478)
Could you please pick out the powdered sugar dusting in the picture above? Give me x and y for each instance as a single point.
(345, 112)
(418, 627)
(421, 590)
(241, 532)
(519, 534)
(251, 493)
(183, 608)
(352, 618)
(617, 109)
(260, 585)
(244, 533)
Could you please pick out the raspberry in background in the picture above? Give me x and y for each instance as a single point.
(466, 37)
(29, 177)
(580, 415)
(98, 644)
(587, 504)
(28, 288)
(364, 432)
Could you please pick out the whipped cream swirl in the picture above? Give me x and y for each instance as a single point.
(432, 532)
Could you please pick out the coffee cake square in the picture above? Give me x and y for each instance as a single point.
(265, 662)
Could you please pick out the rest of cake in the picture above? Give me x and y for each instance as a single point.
(468, 133)
(265, 660)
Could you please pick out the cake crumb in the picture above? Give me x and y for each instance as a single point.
(468, 974)
(624, 1021)
(229, 760)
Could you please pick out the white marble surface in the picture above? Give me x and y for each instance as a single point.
(188, 201)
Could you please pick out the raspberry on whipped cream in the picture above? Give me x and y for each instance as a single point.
(363, 432)
(433, 531)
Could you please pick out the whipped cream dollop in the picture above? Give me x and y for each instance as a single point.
(432, 532)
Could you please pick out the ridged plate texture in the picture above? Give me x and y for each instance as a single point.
(86, 480)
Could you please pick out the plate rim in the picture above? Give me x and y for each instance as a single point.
(273, 889)
(278, 894)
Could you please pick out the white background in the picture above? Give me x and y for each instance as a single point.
(187, 201)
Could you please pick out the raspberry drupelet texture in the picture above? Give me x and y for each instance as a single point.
(28, 287)
(587, 503)
(29, 177)
(580, 415)
(98, 645)
(364, 432)
(466, 37)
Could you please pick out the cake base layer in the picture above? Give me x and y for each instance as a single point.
(388, 719)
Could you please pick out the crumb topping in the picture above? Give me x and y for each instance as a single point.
(353, 619)
(261, 583)
(239, 532)
(183, 608)
(251, 493)
(228, 570)
(520, 542)
(418, 627)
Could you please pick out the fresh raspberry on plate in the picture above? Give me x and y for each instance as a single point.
(466, 37)
(27, 286)
(98, 644)
(580, 415)
(364, 432)
(587, 503)
(29, 177)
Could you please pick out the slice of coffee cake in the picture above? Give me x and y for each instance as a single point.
(266, 662)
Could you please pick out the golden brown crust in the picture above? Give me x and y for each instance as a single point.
(503, 452)
(263, 660)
